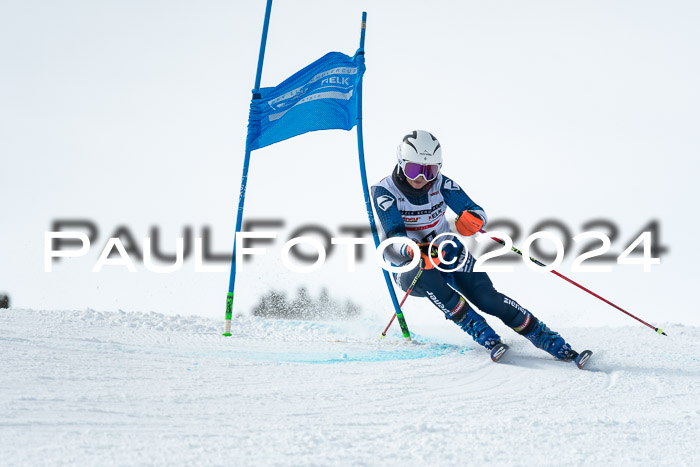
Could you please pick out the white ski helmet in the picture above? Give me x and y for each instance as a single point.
(419, 147)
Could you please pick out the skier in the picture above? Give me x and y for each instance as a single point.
(412, 202)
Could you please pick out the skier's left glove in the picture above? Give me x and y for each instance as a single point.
(468, 223)
(429, 256)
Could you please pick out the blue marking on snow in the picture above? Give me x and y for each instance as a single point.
(290, 343)
(354, 355)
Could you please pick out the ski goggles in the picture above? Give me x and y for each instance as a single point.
(413, 170)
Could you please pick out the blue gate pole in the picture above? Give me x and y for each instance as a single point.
(244, 178)
(368, 203)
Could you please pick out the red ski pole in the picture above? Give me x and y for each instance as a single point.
(408, 292)
(658, 330)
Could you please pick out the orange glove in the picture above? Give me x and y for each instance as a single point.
(468, 224)
(429, 257)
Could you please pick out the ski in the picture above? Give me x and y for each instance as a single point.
(582, 358)
(498, 351)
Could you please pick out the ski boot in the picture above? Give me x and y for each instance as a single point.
(477, 327)
(544, 338)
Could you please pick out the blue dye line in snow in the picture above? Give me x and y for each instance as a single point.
(357, 355)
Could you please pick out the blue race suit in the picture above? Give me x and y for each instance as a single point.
(420, 216)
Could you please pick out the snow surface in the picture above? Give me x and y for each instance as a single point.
(88, 387)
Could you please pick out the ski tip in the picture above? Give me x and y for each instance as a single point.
(582, 359)
(498, 351)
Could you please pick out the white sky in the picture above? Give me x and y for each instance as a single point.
(134, 113)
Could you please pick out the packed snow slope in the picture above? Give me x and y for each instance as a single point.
(93, 388)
